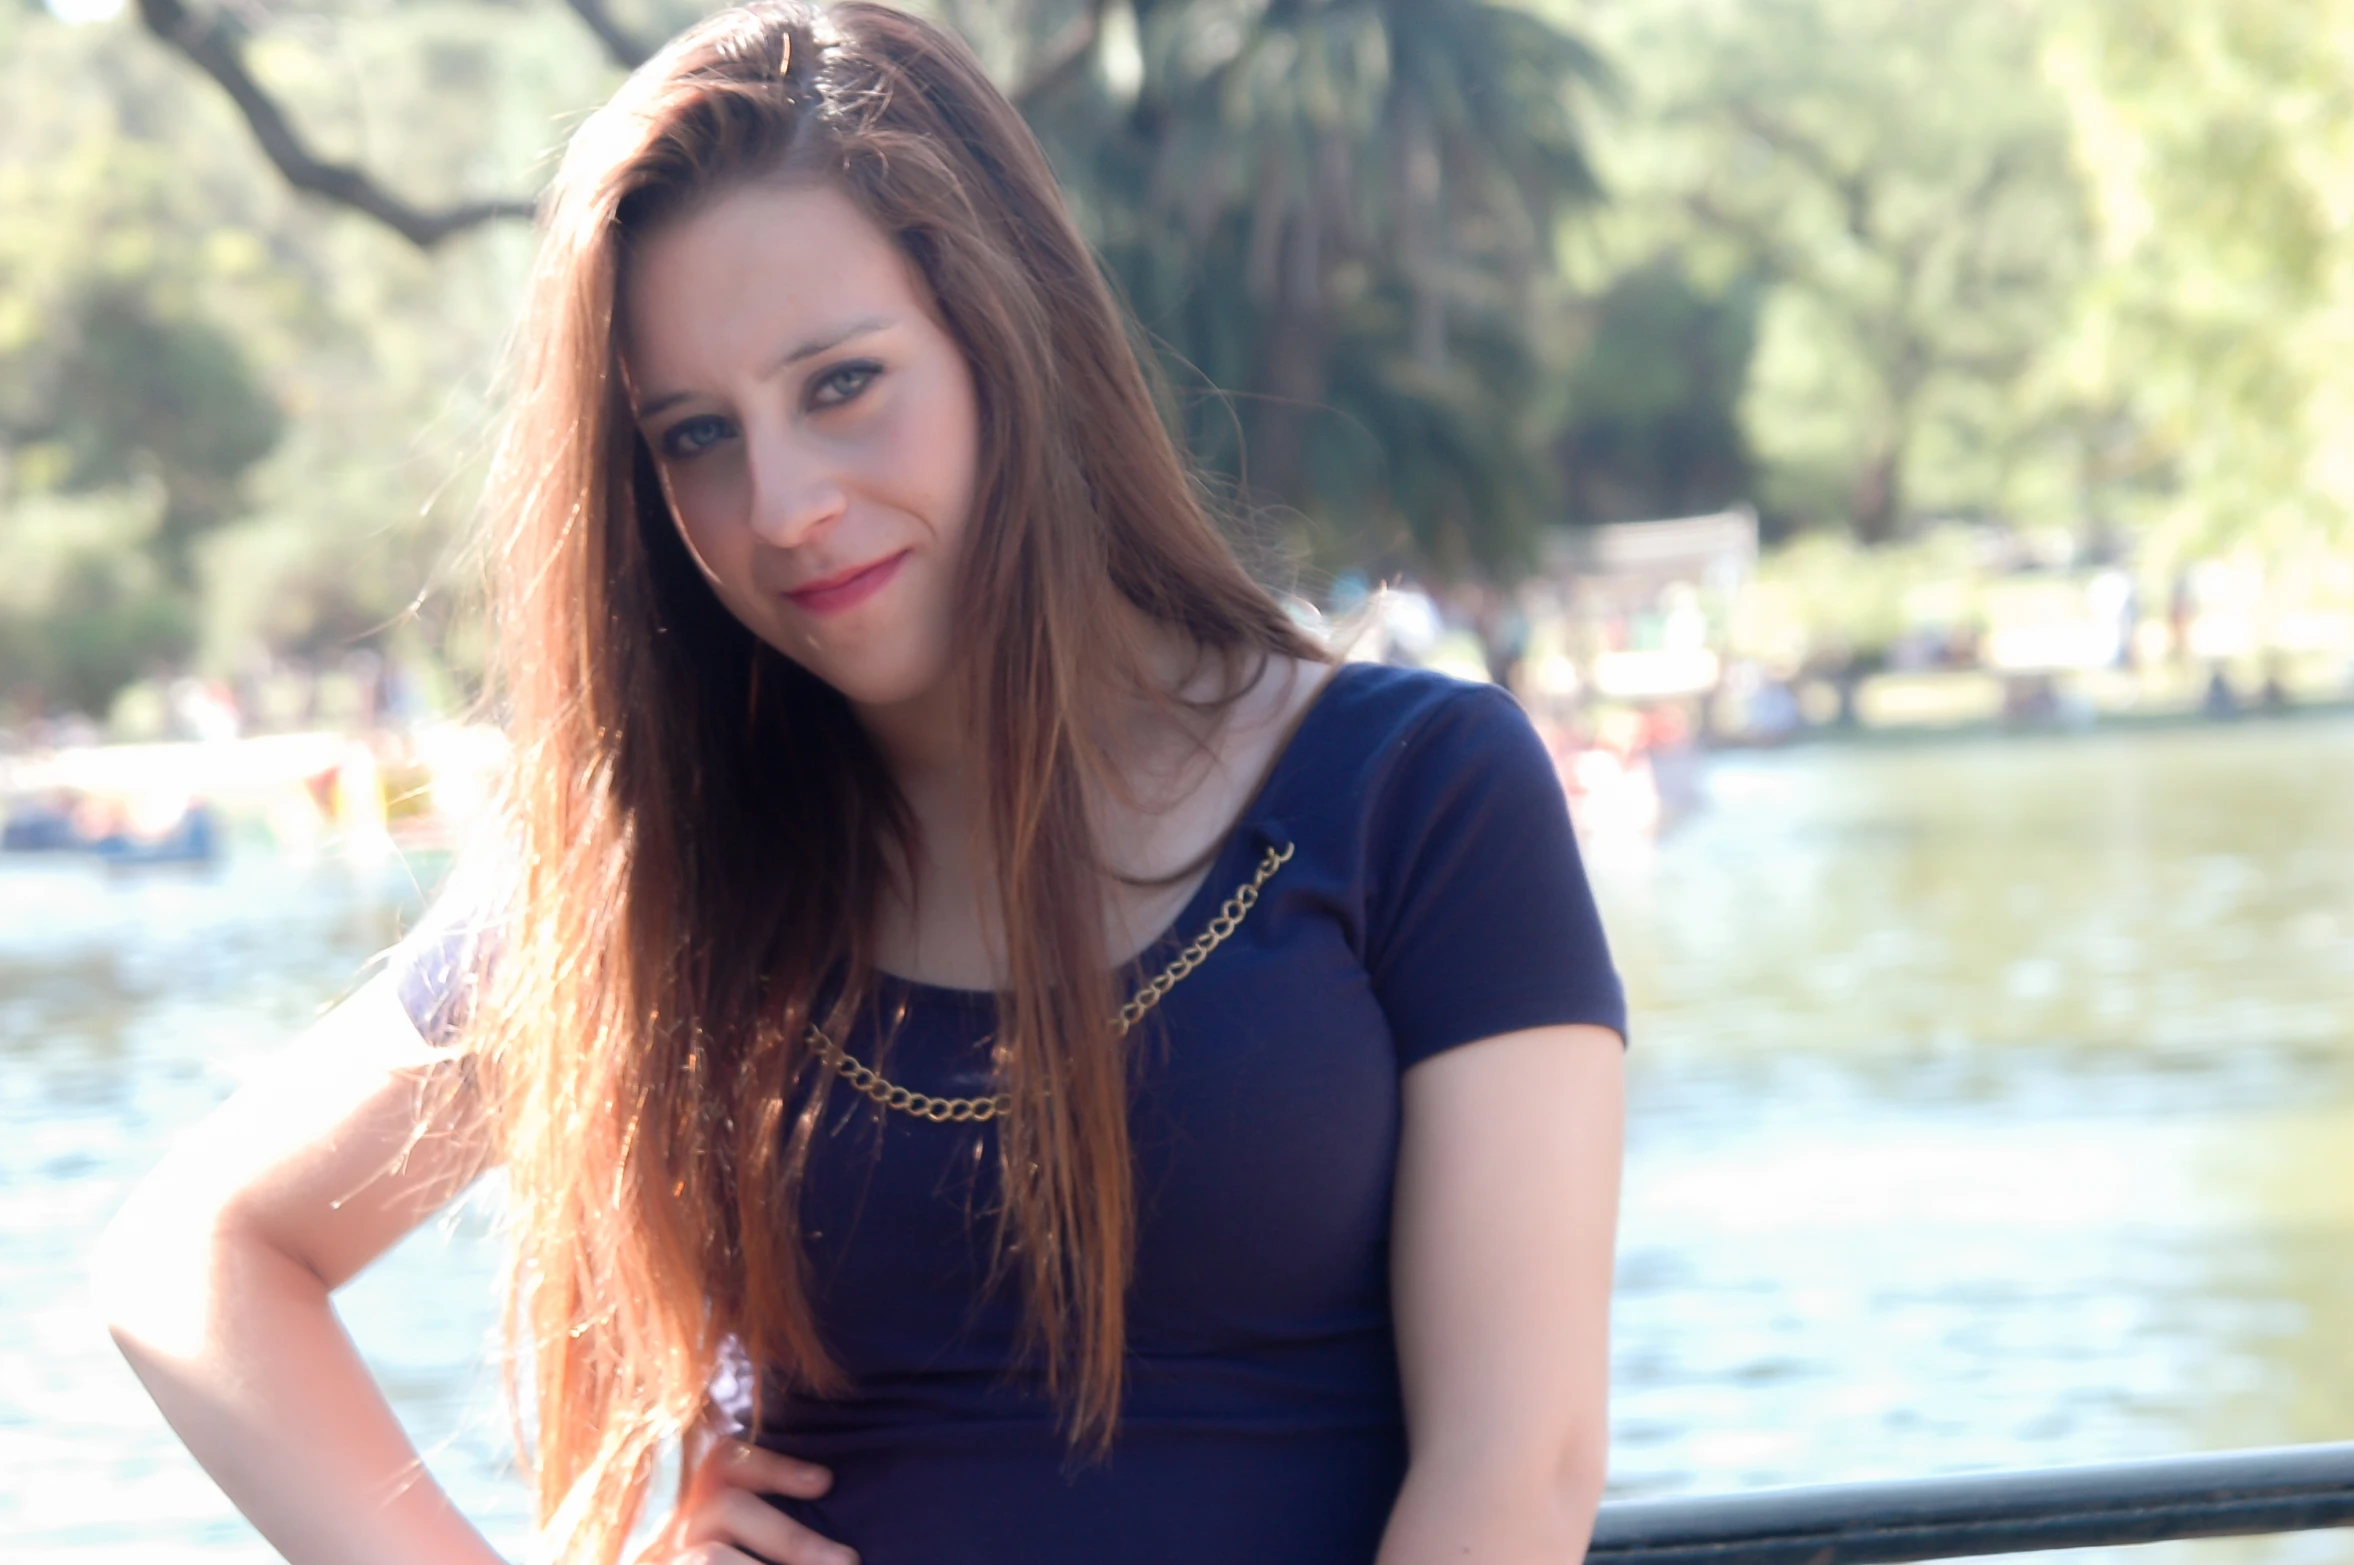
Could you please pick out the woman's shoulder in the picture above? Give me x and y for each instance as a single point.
(1406, 694)
(1435, 816)
(1388, 754)
(438, 969)
(1379, 724)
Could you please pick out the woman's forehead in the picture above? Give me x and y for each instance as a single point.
(764, 272)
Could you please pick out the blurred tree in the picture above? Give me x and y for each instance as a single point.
(2219, 141)
(1338, 216)
(137, 393)
(162, 291)
(1898, 176)
(84, 608)
(1655, 399)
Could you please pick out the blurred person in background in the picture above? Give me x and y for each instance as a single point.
(997, 1048)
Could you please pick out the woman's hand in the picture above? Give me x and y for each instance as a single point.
(724, 1521)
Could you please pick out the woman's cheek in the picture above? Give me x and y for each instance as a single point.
(697, 494)
(700, 504)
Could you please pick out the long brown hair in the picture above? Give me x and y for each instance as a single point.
(704, 831)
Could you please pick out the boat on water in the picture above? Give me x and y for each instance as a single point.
(179, 831)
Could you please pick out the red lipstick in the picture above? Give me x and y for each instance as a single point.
(847, 589)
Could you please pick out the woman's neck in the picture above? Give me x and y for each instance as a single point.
(928, 740)
(1182, 776)
(1169, 793)
(922, 740)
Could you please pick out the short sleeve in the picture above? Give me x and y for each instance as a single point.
(439, 968)
(1480, 919)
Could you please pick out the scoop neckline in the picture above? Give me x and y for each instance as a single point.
(1212, 889)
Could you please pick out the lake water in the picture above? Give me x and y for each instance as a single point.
(1992, 1105)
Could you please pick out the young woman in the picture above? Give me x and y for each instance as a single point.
(999, 1051)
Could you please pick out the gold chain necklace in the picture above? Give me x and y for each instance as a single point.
(961, 1111)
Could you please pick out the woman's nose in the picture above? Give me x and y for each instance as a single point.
(794, 492)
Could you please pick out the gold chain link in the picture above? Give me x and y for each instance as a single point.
(977, 1111)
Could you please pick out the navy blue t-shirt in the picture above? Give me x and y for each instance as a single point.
(1434, 896)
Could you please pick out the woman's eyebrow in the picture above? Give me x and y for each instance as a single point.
(808, 350)
(833, 339)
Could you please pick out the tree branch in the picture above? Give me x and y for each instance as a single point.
(1851, 187)
(212, 42)
(624, 50)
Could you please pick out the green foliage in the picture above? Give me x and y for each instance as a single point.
(1655, 396)
(302, 396)
(1448, 455)
(1336, 219)
(2083, 264)
(1898, 178)
(136, 390)
(2218, 140)
(84, 609)
(137, 394)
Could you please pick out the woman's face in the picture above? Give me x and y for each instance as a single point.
(816, 431)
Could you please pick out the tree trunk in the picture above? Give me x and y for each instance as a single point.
(1291, 375)
(1879, 488)
(1879, 495)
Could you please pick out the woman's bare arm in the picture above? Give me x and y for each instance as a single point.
(215, 1279)
(1506, 1217)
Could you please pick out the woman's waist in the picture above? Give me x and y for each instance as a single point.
(1295, 1486)
(1341, 1382)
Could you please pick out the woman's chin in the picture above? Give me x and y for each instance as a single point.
(878, 685)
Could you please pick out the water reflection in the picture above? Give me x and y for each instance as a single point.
(1991, 1106)
(129, 1006)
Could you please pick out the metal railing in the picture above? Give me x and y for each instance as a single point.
(2286, 1489)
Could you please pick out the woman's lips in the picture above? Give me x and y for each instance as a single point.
(848, 590)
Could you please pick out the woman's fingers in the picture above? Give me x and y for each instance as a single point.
(725, 1554)
(739, 1519)
(726, 1522)
(743, 1466)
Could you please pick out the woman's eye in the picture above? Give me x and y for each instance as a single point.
(693, 436)
(841, 383)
